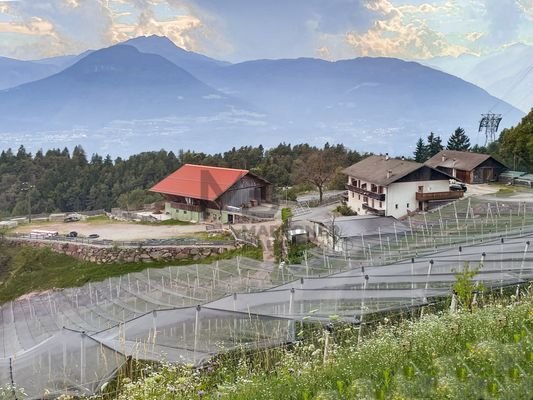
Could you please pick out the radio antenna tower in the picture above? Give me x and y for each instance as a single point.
(490, 122)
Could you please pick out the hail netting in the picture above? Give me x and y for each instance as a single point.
(73, 340)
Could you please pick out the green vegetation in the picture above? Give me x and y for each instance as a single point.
(458, 141)
(99, 219)
(425, 151)
(286, 214)
(61, 181)
(24, 269)
(465, 288)
(296, 252)
(345, 210)
(515, 145)
(484, 354)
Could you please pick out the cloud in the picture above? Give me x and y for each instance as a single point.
(504, 18)
(526, 6)
(474, 36)
(73, 26)
(398, 33)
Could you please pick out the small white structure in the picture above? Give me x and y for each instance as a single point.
(345, 233)
(386, 186)
(297, 236)
(8, 224)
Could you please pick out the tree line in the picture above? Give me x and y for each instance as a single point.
(424, 151)
(65, 181)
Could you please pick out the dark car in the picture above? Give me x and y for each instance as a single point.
(458, 187)
(72, 234)
(93, 236)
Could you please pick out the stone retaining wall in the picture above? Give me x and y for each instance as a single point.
(114, 255)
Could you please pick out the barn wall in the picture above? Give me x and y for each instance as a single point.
(243, 192)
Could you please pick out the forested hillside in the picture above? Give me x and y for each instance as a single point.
(60, 180)
(515, 145)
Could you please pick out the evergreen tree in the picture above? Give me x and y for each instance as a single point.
(459, 141)
(421, 151)
(434, 145)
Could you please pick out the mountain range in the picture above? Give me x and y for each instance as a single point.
(147, 93)
(507, 74)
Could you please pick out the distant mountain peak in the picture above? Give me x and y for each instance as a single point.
(163, 46)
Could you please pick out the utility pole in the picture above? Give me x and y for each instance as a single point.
(27, 187)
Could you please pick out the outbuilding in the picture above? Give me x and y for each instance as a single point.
(466, 166)
(200, 193)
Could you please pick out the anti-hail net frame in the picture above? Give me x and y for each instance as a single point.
(154, 314)
(66, 363)
(466, 221)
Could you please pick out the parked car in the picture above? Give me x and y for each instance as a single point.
(458, 187)
(72, 234)
(71, 218)
(93, 236)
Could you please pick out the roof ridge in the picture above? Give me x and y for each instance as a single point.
(213, 167)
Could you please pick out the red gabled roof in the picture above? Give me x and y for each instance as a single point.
(199, 181)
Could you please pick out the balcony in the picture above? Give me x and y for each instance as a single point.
(434, 196)
(367, 193)
(186, 207)
(374, 210)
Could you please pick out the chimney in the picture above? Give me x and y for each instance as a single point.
(443, 157)
(387, 156)
(389, 173)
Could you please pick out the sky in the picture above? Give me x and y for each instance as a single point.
(238, 30)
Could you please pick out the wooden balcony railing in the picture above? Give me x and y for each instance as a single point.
(374, 210)
(186, 207)
(367, 193)
(433, 196)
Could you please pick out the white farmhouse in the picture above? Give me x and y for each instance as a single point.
(386, 186)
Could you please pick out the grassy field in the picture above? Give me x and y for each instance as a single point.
(25, 269)
(486, 354)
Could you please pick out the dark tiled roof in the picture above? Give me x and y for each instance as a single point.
(463, 160)
(374, 169)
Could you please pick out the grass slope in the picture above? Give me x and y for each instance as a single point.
(25, 269)
(486, 354)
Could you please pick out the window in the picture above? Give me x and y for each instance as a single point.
(396, 206)
(359, 197)
(407, 205)
(353, 195)
(365, 199)
(380, 204)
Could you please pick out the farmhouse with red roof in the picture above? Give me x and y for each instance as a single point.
(201, 193)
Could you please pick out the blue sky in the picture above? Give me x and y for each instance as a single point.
(237, 30)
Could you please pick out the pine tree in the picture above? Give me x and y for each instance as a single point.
(434, 145)
(459, 141)
(421, 151)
